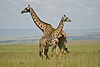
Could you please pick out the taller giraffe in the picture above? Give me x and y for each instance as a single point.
(45, 27)
(52, 39)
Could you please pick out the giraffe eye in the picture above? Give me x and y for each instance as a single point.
(25, 8)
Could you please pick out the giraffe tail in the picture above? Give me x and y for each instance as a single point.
(67, 50)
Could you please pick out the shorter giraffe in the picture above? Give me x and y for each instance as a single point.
(52, 39)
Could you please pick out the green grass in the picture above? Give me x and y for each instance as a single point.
(83, 54)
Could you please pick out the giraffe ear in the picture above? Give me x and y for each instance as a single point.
(64, 15)
(28, 5)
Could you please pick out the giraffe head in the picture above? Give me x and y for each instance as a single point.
(27, 9)
(65, 19)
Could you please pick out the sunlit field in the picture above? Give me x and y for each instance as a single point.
(83, 54)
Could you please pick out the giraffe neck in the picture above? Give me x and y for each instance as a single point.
(60, 27)
(41, 25)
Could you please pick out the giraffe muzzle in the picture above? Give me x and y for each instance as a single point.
(22, 12)
(69, 20)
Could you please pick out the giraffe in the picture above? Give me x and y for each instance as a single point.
(52, 39)
(45, 27)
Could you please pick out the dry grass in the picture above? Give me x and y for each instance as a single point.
(83, 54)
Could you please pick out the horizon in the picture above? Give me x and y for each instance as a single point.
(9, 36)
(37, 32)
(63, 29)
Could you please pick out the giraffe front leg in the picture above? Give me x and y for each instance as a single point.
(53, 50)
(61, 52)
(42, 55)
(57, 51)
(46, 53)
(40, 50)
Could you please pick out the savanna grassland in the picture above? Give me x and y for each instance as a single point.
(83, 54)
